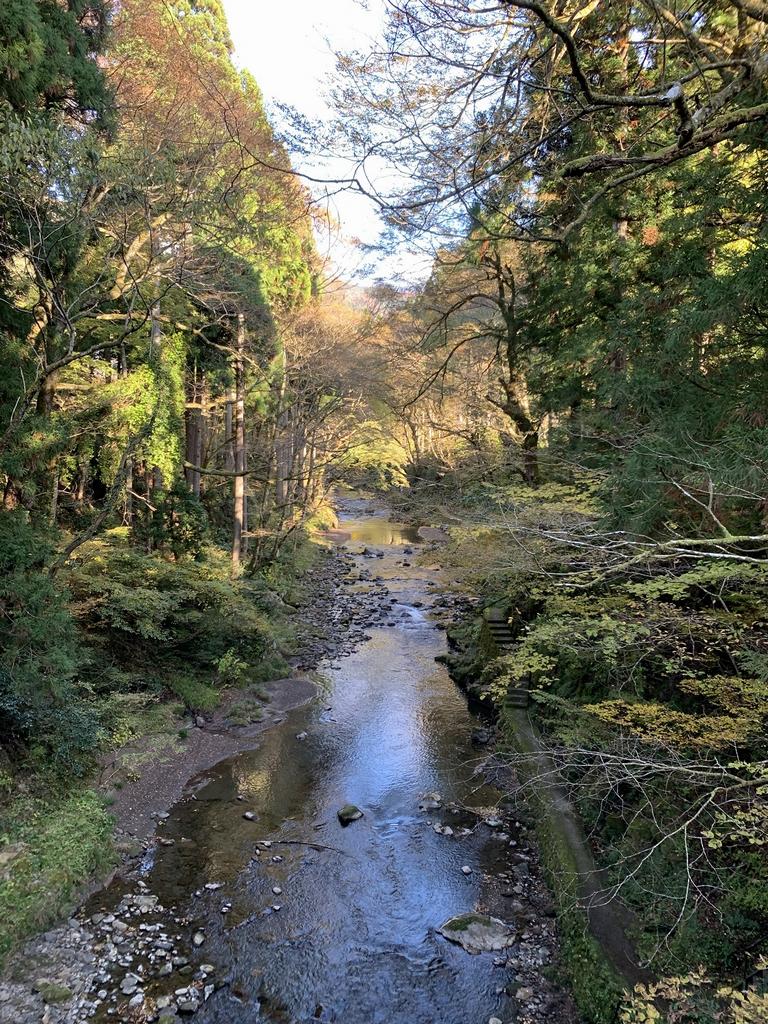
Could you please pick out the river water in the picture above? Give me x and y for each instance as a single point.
(351, 935)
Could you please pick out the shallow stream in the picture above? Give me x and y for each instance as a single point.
(345, 929)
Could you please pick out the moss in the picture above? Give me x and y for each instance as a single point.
(597, 988)
(51, 992)
(463, 922)
(63, 843)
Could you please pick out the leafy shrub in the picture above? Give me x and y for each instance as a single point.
(43, 706)
(179, 523)
(231, 669)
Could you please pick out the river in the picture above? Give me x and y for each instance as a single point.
(335, 923)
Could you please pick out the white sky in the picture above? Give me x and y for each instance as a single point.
(288, 46)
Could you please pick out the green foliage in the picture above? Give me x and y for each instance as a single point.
(153, 613)
(57, 846)
(47, 55)
(375, 461)
(195, 694)
(43, 708)
(179, 523)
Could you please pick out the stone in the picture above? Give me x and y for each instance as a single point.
(301, 735)
(249, 816)
(524, 995)
(477, 933)
(466, 869)
(495, 1020)
(349, 813)
(198, 939)
(431, 802)
(129, 984)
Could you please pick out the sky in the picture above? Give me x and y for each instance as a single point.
(288, 46)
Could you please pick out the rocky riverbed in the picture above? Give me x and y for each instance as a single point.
(255, 898)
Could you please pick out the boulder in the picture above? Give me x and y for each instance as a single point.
(349, 813)
(478, 933)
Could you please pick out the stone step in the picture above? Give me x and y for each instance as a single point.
(516, 698)
(495, 615)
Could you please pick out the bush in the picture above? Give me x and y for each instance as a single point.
(179, 523)
(43, 707)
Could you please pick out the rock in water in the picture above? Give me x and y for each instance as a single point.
(431, 802)
(478, 933)
(481, 737)
(349, 813)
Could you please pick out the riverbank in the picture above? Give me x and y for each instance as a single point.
(64, 839)
(176, 913)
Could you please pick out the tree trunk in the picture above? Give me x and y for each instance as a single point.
(238, 487)
(128, 498)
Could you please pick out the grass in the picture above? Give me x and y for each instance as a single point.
(249, 709)
(197, 695)
(59, 844)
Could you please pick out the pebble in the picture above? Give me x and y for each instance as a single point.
(466, 869)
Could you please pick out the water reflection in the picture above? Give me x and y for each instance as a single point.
(353, 939)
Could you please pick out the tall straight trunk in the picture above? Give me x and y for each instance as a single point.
(45, 402)
(155, 336)
(82, 480)
(229, 434)
(54, 494)
(238, 487)
(128, 502)
(282, 457)
(201, 426)
(194, 437)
